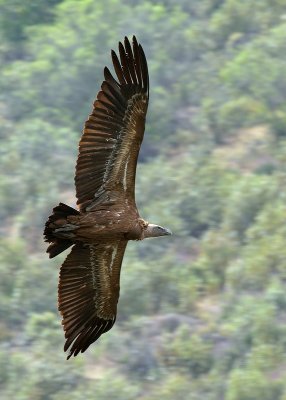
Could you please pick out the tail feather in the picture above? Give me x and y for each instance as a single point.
(57, 245)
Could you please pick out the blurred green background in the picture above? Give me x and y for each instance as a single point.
(202, 315)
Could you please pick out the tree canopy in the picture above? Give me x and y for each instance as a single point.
(201, 315)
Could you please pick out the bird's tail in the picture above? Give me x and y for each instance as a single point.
(57, 219)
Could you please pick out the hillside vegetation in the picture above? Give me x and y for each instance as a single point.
(202, 314)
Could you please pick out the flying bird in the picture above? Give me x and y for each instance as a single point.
(107, 216)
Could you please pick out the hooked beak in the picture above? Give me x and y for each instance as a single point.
(167, 231)
(155, 231)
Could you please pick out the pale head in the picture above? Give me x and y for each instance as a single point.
(152, 230)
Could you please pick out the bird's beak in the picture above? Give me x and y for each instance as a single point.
(155, 231)
(168, 232)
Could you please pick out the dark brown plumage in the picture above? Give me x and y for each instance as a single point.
(105, 189)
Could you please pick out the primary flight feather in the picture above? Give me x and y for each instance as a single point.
(105, 188)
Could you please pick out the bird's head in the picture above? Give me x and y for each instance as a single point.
(152, 230)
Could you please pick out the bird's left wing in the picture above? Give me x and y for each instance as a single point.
(89, 292)
(109, 146)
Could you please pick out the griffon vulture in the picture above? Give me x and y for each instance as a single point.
(107, 215)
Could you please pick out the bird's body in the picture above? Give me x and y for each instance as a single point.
(117, 221)
(107, 217)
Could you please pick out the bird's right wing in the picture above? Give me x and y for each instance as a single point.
(89, 292)
(112, 136)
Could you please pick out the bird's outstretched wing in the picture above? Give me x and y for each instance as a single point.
(109, 146)
(89, 292)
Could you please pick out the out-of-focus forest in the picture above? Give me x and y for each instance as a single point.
(202, 314)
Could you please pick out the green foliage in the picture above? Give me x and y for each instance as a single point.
(16, 16)
(201, 209)
(251, 385)
(174, 387)
(217, 251)
(244, 17)
(110, 386)
(245, 202)
(187, 352)
(202, 313)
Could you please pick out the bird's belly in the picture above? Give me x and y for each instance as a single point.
(104, 224)
(110, 230)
